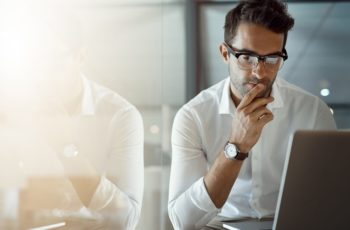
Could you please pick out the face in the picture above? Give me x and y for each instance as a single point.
(40, 67)
(60, 67)
(261, 41)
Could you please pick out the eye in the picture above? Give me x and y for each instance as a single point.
(247, 58)
(272, 60)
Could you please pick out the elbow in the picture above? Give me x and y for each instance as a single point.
(133, 217)
(172, 216)
(126, 217)
(177, 221)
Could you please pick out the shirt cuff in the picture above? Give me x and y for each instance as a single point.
(103, 195)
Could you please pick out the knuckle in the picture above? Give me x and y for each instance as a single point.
(266, 111)
(242, 111)
(245, 112)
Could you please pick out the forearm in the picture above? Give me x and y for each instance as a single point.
(82, 175)
(85, 187)
(250, 118)
(220, 179)
(119, 210)
(110, 208)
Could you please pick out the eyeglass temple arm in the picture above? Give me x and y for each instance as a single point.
(285, 54)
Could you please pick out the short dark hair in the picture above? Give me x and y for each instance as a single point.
(271, 14)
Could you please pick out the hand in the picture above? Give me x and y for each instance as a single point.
(61, 130)
(250, 118)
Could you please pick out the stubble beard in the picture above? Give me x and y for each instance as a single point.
(240, 86)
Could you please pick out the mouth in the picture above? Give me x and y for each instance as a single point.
(250, 85)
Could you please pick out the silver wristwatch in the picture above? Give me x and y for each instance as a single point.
(232, 153)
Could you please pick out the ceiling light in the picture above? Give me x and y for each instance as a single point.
(324, 92)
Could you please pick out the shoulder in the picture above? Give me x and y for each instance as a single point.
(192, 116)
(306, 107)
(108, 102)
(105, 98)
(301, 102)
(207, 101)
(294, 94)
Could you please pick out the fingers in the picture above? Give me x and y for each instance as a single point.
(261, 114)
(257, 103)
(264, 119)
(251, 95)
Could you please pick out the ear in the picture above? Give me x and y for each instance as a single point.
(224, 53)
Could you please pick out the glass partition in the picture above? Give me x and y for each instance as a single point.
(89, 90)
(77, 77)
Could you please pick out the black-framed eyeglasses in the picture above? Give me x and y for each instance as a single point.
(248, 60)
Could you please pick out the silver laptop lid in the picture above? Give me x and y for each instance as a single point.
(315, 187)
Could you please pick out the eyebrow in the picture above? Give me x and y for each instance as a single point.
(252, 52)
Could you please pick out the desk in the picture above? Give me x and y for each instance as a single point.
(217, 223)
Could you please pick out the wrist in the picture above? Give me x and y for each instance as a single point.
(232, 152)
(243, 148)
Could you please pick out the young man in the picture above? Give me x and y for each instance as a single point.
(229, 142)
(80, 144)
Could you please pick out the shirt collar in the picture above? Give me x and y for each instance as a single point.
(227, 106)
(87, 104)
(276, 94)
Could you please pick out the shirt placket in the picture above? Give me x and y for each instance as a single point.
(256, 155)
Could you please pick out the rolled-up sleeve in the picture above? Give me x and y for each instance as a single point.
(189, 204)
(118, 196)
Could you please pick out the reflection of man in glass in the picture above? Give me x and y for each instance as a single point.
(83, 159)
(229, 142)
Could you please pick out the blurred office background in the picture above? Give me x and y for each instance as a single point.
(160, 53)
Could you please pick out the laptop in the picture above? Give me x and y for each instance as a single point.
(315, 186)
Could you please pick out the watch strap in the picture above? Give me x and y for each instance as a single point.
(241, 156)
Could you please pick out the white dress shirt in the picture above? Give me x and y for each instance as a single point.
(111, 133)
(108, 131)
(201, 129)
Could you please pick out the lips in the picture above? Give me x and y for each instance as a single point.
(250, 85)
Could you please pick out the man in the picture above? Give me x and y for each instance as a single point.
(79, 145)
(229, 143)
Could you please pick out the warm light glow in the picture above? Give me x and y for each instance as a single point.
(154, 129)
(36, 58)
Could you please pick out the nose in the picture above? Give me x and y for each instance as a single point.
(260, 70)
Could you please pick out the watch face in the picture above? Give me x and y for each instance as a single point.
(230, 150)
